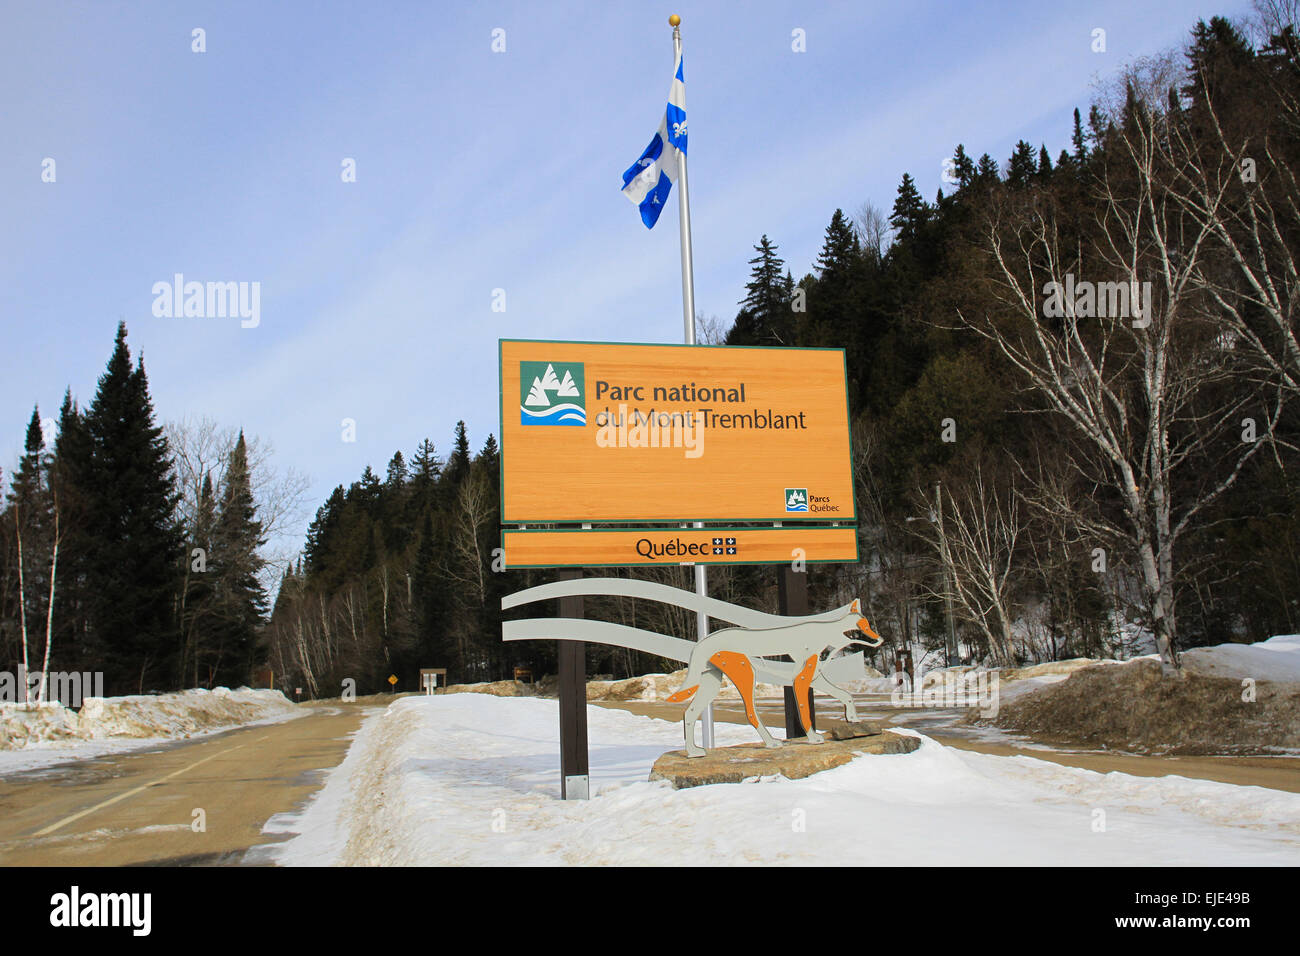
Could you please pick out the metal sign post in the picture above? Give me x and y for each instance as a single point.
(688, 322)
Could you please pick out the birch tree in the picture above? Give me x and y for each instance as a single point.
(975, 530)
(1125, 345)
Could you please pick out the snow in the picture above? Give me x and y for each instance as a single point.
(470, 779)
(39, 736)
(1277, 659)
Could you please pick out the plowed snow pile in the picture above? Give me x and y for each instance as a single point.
(181, 714)
(1209, 708)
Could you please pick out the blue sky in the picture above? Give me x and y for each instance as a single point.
(476, 171)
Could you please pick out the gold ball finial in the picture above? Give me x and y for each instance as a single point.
(674, 20)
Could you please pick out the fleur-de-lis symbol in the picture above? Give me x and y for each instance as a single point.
(679, 129)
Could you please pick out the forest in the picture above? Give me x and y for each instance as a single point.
(1073, 380)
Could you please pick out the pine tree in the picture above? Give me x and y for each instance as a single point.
(839, 249)
(910, 211)
(762, 291)
(133, 564)
(1021, 168)
(321, 533)
(426, 469)
(1044, 163)
(457, 467)
(31, 512)
(963, 167)
(1078, 141)
(1217, 60)
(70, 466)
(1097, 127)
(987, 171)
(765, 317)
(240, 596)
(397, 475)
(433, 602)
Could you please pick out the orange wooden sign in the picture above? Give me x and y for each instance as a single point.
(599, 432)
(636, 547)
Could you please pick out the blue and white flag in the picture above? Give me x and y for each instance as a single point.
(649, 179)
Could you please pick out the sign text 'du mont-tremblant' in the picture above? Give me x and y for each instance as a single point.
(616, 433)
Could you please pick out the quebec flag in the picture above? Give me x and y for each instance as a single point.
(648, 180)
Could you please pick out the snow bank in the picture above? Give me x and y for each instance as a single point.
(473, 780)
(181, 714)
(1277, 659)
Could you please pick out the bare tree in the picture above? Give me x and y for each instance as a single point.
(975, 533)
(56, 538)
(1239, 186)
(1149, 392)
(709, 330)
(202, 446)
(22, 597)
(874, 231)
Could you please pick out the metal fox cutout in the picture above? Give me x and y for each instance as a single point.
(731, 651)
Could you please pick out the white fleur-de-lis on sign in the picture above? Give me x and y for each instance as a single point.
(679, 129)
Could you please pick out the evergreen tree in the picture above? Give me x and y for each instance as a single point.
(133, 568)
(963, 167)
(69, 470)
(241, 598)
(397, 475)
(1021, 168)
(457, 468)
(1044, 163)
(765, 317)
(426, 470)
(1219, 58)
(839, 249)
(909, 210)
(1078, 141)
(30, 512)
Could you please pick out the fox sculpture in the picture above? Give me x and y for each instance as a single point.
(731, 652)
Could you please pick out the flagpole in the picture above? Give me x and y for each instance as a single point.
(688, 324)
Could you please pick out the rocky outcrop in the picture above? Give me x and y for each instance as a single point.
(794, 760)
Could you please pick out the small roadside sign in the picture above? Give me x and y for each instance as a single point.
(392, 679)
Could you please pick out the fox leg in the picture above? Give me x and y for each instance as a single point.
(710, 684)
(843, 696)
(741, 671)
(802, 682)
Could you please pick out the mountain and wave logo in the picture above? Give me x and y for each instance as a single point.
(552, 393)
(796, 499)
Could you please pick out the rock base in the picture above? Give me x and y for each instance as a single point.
(793, 761)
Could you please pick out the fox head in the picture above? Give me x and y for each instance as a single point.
(862, 632)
